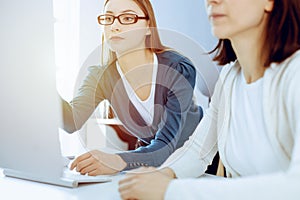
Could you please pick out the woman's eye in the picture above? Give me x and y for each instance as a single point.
(128, 18)
(108, 19)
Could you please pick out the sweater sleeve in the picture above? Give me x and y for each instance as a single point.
(89, 95)
(278, 185)
(181, 82)
(197, 153)
(275, 186)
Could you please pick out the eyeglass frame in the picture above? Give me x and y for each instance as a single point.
(136, 18)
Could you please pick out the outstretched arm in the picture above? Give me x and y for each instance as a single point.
(89, 95)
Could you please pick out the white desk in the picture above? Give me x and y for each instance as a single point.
(17, 189)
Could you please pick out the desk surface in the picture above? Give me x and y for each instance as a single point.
(15, 189)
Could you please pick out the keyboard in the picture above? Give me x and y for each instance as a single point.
(76, 176)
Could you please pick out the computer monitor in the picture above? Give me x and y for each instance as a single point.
(30, 110)
(29, 102)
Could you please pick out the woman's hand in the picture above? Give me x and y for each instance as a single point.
(145, 183)
(96, 163)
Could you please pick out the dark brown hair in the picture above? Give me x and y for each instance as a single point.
(283, 35)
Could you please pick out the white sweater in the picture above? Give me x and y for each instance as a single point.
(281, 103)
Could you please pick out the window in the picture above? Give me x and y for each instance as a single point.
(66, 36)
(66, 30)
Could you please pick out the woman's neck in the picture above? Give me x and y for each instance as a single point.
(131, 60)
(249, 49)
(250, 56)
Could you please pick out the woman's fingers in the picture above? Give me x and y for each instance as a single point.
(95, 172)
(79, 159)
(89, 167)
(97, 162)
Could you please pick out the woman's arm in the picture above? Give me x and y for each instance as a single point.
(89, 95)
(188, 161)
(180, 81)
(277, 186)
(197, 153)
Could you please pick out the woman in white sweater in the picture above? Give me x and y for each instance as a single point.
(254, 116)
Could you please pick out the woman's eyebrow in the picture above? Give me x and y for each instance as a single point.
(124, 11)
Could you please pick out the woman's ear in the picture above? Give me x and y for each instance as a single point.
(269, 5)
(148, 29)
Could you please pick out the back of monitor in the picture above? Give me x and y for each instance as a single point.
(29, 108)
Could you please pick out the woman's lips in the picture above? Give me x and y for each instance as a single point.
(116, 38)
(215, 16)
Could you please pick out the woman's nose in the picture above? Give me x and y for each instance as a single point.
(115, 26)
(209, 4)
(212, 2)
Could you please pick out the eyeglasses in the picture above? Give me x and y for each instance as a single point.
(125, 19)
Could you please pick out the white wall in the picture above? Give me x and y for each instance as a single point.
(187, 17)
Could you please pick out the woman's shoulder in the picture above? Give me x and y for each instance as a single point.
(171, 56)
(293, 62)
(229, 69)
(97, 69)
(289, 69)
(95, 72)
(177, 61)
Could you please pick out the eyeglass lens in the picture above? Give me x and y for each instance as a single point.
(123, 19)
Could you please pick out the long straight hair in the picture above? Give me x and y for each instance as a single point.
(152, 41)
(282, 31)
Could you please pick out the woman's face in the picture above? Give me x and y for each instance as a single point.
(123, 38)
(231, 18)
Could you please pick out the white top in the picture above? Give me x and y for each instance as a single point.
(247, 131)
(281, 112)
(146, 107)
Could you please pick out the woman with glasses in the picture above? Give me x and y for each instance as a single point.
(253, 118)
(149, 86)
